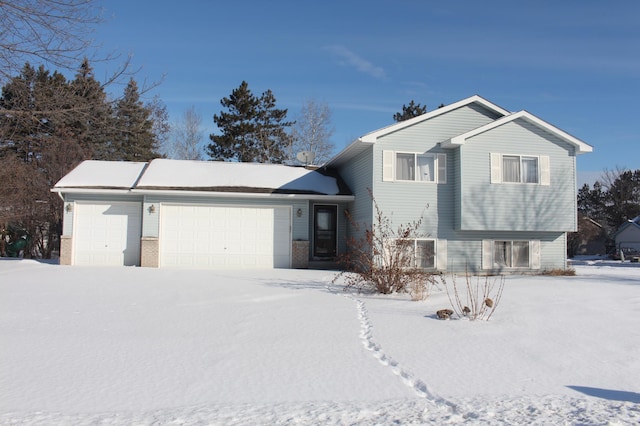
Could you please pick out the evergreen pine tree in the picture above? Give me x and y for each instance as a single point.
(272, 138)
(35, 106)
(92, 125)
(134, 139)
(253, 129)
(409, 111)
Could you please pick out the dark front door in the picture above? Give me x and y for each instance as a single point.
(324, 231)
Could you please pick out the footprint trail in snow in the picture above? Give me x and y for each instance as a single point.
(419, 387)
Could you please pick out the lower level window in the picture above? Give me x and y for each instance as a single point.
(511, 254)
(417, 253)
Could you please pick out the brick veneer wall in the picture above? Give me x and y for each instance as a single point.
(149, 252)
(65, 249)
(300, 258)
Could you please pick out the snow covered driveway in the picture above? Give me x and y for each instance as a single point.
(136, 345)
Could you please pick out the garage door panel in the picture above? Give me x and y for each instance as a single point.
(225, 237)
(107, 233)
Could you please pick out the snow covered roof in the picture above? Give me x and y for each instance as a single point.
(239, 177)
(635, 223)
(102, 174)
(209, 176)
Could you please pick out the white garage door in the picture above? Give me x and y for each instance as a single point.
(225, 237)
(107, 234)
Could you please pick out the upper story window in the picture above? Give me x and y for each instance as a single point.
(517, 168)
(509, 168)
(413, 166)
(418, 167)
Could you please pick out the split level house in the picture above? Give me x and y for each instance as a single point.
(496, 192)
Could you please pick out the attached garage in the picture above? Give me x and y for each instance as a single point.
(209, 236)
(107, 233)
(197, 214)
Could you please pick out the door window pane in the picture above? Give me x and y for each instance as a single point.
(323, 220)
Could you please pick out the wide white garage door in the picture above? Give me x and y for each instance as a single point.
(225, 237)
(107, 234)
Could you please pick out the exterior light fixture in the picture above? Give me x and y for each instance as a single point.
(152, 209)
(68, 208)
(299, 212)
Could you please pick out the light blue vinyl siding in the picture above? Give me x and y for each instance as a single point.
(357, 174)
(463, 211)
(486, 206)
(406, 202)
(464, 249)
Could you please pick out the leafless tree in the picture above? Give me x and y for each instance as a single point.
(187, 137)
(52, 31)
(160, 115)
(312, 132)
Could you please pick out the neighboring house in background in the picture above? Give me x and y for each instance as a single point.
(628, 234)
(500, 189)
(590, 239)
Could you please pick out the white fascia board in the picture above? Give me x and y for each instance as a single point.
(581, 146)
(101, 191)
(178, 193)
(348, 152)
(373, 136)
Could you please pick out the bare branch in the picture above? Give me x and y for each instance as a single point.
(53, 31)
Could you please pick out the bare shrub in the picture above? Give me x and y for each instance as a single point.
(476, 299)
(419, 289)
(384, 259)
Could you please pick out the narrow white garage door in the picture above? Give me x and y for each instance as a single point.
(107, 234)
(225, 237)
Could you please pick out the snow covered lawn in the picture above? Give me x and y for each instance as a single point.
(107, 346)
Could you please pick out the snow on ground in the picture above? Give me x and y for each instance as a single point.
(112, 346)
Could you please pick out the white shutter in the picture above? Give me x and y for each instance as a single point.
(534, 250)
(441, 255)
(496, 168)
(387, 165)
(545, 170)
(442, 168)
(487, 254)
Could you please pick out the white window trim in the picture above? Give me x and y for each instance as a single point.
(389, 159)
(544, 169)
(488, 250)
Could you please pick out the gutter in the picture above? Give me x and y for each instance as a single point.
(169, 192)
(182, 193)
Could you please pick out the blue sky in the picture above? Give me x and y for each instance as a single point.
(573, 63)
